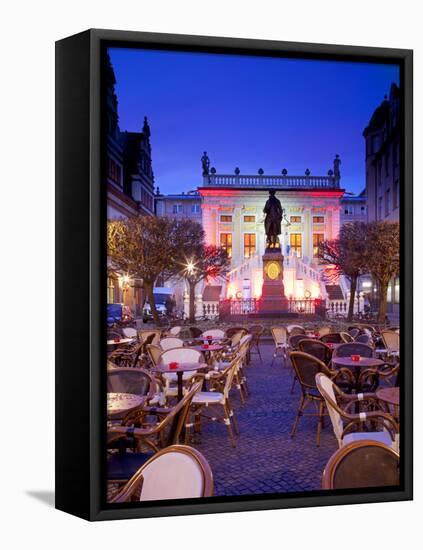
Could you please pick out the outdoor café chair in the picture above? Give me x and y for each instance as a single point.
(332, 338)
(353, 348)
(229, 332)
(364, 339)
(316, 348)
(195, 332)
(324, 330)
(236, 337)
(294, 340)
(257, 332)
(306, 367)
(280, 338)
(205, 403)
(214, 333)
(144, 334)
(354, 332)
(130, 380)
(362, 464)
(391, 341)
(167, 431)
(344, 421)
(130, 332)
(170, 343)
(175, 331)
(175, 472)
(346, 337)
(295, 329)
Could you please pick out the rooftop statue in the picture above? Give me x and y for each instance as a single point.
(272, 222)
(205, 161)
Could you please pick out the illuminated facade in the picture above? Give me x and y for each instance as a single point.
(232, 217)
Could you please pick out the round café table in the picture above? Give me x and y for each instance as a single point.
(118, 403)
(116, 343)
(356, 366)
(179, 371)
(208, 350)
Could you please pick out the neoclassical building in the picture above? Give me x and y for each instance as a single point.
(232, 217)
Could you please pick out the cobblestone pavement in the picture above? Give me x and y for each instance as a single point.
(266, 459)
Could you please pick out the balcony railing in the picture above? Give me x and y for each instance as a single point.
(281, 182)
(246, 306)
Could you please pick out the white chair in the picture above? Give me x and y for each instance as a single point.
(175, 472)
(290, 328)
(179, 355)
(175, 331)
(214, 333)
(207, 401)
(170, 343)
(129, 332)
(280, 338)
(343, 420)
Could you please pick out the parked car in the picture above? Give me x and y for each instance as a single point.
(119, 314)
(162, 295)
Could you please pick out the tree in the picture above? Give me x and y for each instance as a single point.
(142, 247)
(382, 258)
(209, 261)
(346, 255)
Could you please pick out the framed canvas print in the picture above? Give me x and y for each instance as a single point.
(234, 274)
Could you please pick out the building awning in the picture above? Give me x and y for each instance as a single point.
(211, 293)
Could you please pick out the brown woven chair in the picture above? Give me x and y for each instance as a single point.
(295, 329)
(391, 341)
(233, 330)
(362, 464)
(353, 348)
(306, 367)
(364, 339)
(316, 348)
(354, 332)
(332, 338)
(339, 405)
(257, 332)
(294, 340)
(145, 333)
(167, 431)
(195, 332)
(175, 472)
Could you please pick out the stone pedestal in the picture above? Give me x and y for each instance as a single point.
(273, 299)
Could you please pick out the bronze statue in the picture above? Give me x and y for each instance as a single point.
(205, 162)
(272, 222)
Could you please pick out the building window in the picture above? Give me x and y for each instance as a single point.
(115, 172)
(226, 219)
(249, 219)
(396, 290)
(249, 244)
(295, 241)
(375, 143)
(295, 219)
(317, 239)
(396, 194)
(380, 205)
(387, 201)
(177, 208)
(226, 243)
(195, 208)
(318, 219)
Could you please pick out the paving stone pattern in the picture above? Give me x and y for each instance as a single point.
(266, 459)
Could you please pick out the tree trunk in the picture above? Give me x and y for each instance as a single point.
(383, 296)
(191, 301)
(148, 285)
(353, 288)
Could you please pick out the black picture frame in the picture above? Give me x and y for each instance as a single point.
(80, 270)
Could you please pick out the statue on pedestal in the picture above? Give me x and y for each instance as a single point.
(272, 222)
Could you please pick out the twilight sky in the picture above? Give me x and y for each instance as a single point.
(250, 112)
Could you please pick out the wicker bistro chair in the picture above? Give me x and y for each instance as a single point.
(280, 338)
(362, 464)
(195, 332)
(306, 367)
(354, 332)
(205, 403)
(316, 348)
(343, 421)
(324, 330)
(236, 338)
(364, 339)
(130, 332)
(333, 338)
(233, 330)
(391, 341)
(121, 466)
(126, 355)
(257, 332)
(170, 343)
(173, 473)
(389, 373)
(144, 334)
(295, 329)
(214, 333)
(353, 348)
(223, 359)
(178, 355)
